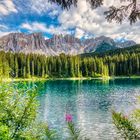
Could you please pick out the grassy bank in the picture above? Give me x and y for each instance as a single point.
(22, 79)
(54, 78)
(71, 78)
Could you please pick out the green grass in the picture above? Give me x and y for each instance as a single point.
(54, 78)
(70, 78)
(22, 79)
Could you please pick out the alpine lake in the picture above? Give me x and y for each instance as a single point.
(89, 101)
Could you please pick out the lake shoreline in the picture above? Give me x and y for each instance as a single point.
(72, 78)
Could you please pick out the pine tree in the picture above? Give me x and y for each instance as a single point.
(28, 75)
(16, 67)
(33, 73)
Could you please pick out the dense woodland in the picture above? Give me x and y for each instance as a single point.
(121, 62)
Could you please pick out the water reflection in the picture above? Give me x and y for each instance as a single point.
(89, 101)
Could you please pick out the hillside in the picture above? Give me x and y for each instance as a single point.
(128, 50)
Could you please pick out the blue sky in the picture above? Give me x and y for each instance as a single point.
(81, 21)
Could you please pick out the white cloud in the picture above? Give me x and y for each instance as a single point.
(3, 30)
(6, 7)
(6, 31)
(3, 27)
(79, 33)
(85, 19)
(53, 13)
(41, 27)
(43, 7)
(35, 27)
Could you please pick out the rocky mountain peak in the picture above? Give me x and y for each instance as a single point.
(68, 44)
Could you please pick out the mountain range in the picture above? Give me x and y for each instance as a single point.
(68, 44)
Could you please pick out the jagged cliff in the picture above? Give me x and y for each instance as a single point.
(36, 43)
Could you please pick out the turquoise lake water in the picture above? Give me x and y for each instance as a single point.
(89, 101)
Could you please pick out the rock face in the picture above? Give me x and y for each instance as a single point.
(35, 43)
(19, 42)
(65, 44)
(99, 44)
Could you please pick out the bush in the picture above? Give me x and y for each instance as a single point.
(18, 109)
(125, 127)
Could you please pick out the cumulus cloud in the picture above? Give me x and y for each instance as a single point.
(43, 7)
(79, 33)
(85, 19)
(41, 27)
(35, 27)
(6, 7)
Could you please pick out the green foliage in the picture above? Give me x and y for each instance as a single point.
(40, 131)
(4, 132)
(94, 74)
(74, 133)
(18, 112)
(50, 134)
(125, 127)
(136, 115)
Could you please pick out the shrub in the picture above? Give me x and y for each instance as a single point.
(18, 109)
(125, 127)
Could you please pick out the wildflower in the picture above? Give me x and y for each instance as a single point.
(125, 117)
(68, 117)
